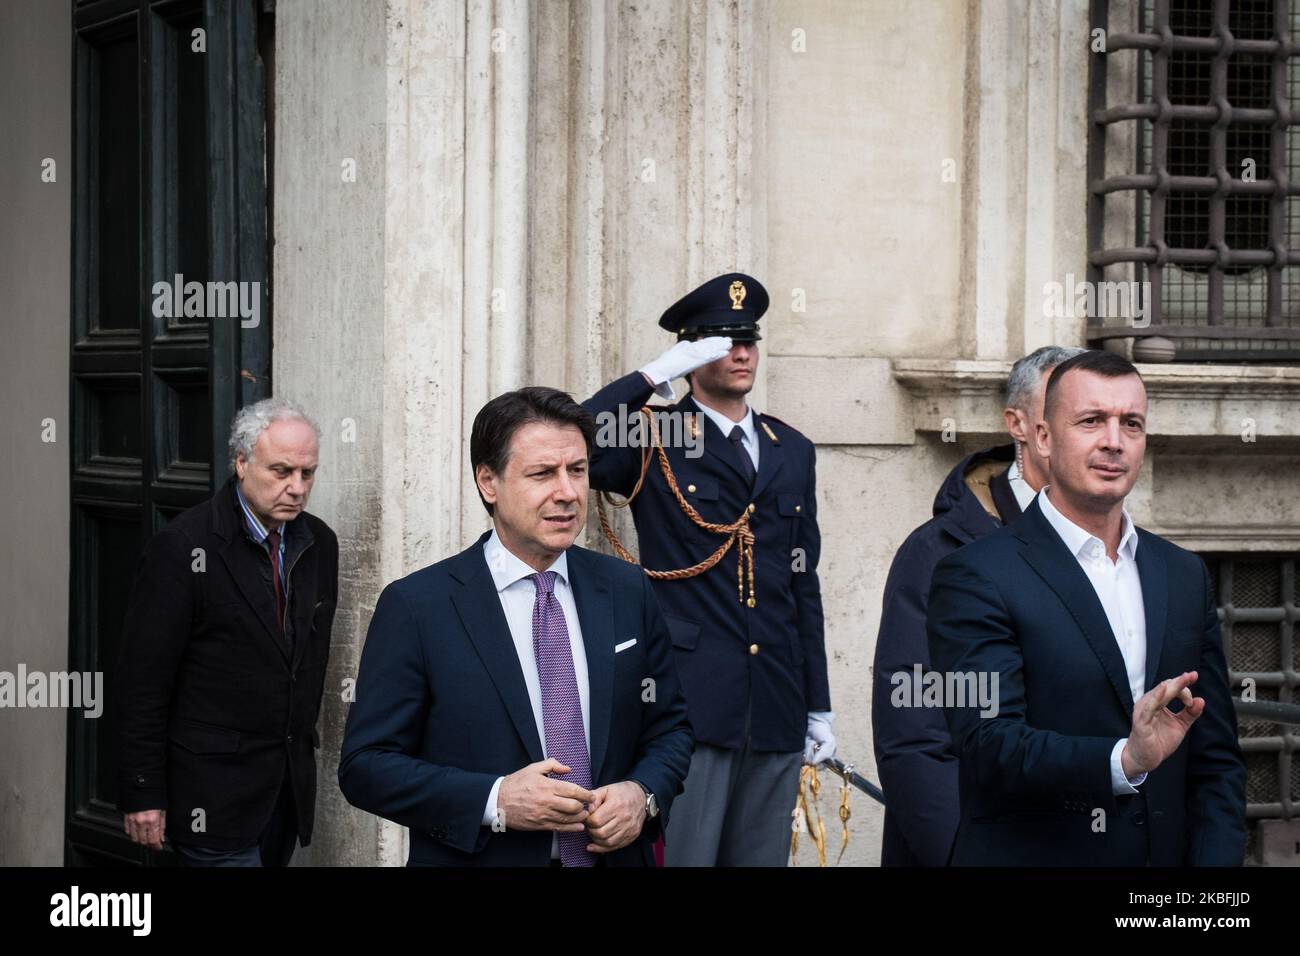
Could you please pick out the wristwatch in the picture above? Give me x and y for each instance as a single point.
(651, 804)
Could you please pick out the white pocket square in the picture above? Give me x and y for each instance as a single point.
(619, 648)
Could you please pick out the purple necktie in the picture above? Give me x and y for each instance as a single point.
(561, 707)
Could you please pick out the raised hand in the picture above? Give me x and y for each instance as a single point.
(1157, 731)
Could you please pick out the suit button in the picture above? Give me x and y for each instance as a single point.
(1139, 818)
(753, 648)
(751, 507)
(289, 738)
(691, 489)
(798, 508)
(139, 779)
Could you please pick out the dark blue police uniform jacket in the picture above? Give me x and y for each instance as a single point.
(762, 667)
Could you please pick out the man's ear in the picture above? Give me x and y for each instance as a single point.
(241, 465)
(1042, 440)
(483, 477)
(1016, 422)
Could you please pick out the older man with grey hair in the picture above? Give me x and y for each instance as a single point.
(223, 656)
(990, 488)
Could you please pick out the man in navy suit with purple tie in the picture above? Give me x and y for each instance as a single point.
(517, 704)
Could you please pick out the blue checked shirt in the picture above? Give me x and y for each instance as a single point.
(259, 533)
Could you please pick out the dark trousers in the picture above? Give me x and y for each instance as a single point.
(274, 847)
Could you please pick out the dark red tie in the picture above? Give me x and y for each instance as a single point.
(273, 539)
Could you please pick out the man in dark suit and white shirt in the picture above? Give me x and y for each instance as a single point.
(914, 754)
(517, 704)
(1092, 628)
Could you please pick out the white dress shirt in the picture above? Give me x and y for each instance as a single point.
(725, 425)
(518, 595)
(1119, 589)
(1019, 487)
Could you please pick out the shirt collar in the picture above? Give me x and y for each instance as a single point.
(1083, 543)
(507, 568)
(255, 527)
(725, 424)
(1019, 487)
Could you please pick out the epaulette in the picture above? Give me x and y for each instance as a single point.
(778, 421)
(762, 422)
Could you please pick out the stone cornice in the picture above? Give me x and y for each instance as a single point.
(1186, 400)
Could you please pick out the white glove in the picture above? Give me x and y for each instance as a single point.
(682, 359)
(819, 745)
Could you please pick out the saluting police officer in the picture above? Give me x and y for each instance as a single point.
(748, 634)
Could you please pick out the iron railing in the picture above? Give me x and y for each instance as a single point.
(1216, 244)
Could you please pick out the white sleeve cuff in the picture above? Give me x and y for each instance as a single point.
(490, 811)
(1119, 783)
(664, 388)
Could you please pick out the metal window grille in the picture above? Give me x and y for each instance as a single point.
(1259, 607)
(1215, 183)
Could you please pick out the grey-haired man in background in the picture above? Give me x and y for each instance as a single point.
(918, 768)
(224, 648)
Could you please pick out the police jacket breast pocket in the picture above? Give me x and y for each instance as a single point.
(791, 507)
(685, 633)
(695, 489)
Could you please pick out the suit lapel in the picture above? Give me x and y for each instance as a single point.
(253, 588)
(595, 603)
(241, 563)
(1047, 554)
(716, 444)
(479, 607)
(299, 567)
(1155, 599)
(771, 456)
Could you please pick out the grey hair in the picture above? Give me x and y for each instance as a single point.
(1027, 373)
(251, 420)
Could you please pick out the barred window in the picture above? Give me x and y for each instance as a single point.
(1194, 176)
(1258, 596)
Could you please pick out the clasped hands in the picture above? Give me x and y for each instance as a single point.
(533, 799)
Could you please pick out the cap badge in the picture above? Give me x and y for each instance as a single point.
(737, 293)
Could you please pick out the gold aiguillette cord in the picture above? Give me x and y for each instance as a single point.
(807, 813)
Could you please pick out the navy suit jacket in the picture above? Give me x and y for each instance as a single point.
(748, 672)
(914, 755)
(442, 710)
(1017, 604)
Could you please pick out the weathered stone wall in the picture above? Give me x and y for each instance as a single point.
(536, 182)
